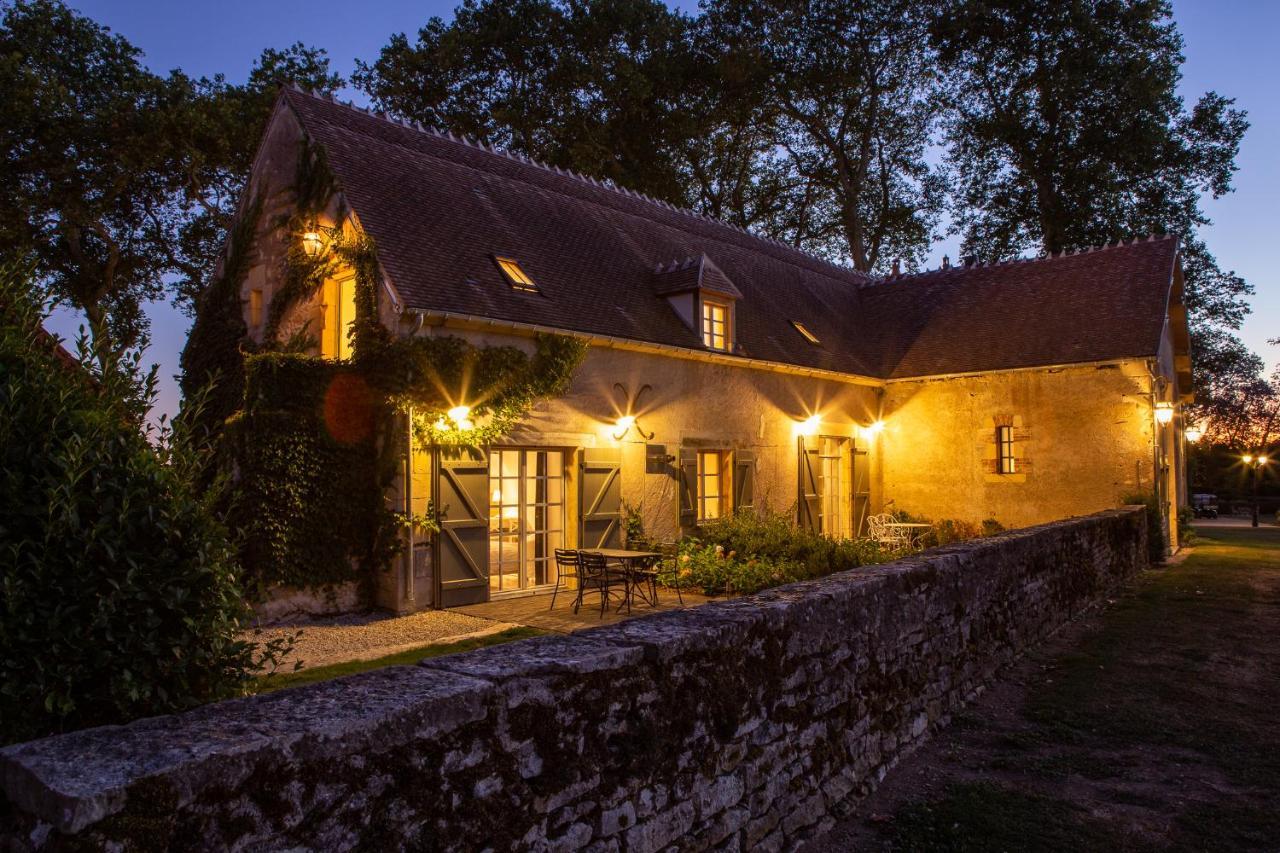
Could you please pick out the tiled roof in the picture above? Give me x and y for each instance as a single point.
(439, 209)
(1067, 309)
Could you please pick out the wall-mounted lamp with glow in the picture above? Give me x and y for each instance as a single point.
(624, 424)
(1164, 413)
(872, 429)
(809, 426)
(312, 243)
(459, 416)
(1194, 433)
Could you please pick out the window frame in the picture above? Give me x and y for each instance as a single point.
(1006, 457)
(723, 478)
(707, 323)
(806, 334)
(516, 277)
(335, 341)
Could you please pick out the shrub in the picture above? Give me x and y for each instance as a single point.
(745, 553)
(119, 594)
(1155, 523)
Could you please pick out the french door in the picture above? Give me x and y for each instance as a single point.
(526, 518)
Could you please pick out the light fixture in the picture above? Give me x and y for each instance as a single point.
(1247, 459)
(312, 243)
(458, 414)
(1194, 433)
(1164, 413)
(629, 403)
(623, 424)
(873, 429)
(809, 426)
(1262, 460)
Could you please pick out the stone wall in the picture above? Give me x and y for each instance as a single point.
(734, 725)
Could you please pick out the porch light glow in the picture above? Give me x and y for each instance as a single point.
(1194, 433)
(1164, 413)
(1247, 459)
(623, 424)
(873, 429)
(458, 414)
(1262, 460)
(809, 426)
(312, 242)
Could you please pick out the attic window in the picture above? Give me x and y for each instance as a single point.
(716, 325)
(808, 335)
(516, 276)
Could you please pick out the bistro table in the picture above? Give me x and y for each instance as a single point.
(909, 533)
(628, 559)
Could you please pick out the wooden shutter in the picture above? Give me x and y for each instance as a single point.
(744, 481)
(861, 490)
(809, 495)
(687, 488)
(600, 498)
(462, 501)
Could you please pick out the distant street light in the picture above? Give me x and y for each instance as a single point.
(1255, 463)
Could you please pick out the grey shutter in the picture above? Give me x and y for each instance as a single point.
(600, 498)
(809, 496)
(744, 481)
(687, 488)
(462, 500)
(861, 490)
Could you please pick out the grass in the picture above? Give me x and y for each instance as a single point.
(311, 675)
(1162, 720)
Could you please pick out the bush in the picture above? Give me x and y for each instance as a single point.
(1156, 546)
(119, 586)
(745, 553)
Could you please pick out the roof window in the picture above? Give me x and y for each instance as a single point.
(516, 276)
(808, 335)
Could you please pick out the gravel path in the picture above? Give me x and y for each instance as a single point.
(364, 636)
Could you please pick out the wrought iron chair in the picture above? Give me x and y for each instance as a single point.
(596, 574)
(668, 567)
(881, 533)
(566, 569)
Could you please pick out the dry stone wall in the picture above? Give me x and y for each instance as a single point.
(730, 726)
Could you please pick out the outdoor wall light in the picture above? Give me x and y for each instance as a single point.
(1164, 413)
(458, 414)
(873, 429)
(809, 426)
(312, 243)
(624, 424)
(1194, 433)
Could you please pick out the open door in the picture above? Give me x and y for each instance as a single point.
(462, 501)
(600, 493)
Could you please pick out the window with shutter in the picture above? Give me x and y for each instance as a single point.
(744, 480)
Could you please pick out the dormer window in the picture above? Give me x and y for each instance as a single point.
(715, 325)
(804, 331)
(515, 276)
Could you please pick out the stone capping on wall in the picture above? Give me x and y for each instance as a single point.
(734, 724)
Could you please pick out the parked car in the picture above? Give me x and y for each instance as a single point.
(1205, 506)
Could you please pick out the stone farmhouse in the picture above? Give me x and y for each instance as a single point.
(726, 371)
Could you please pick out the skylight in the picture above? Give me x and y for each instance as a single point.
(808, 335)
(516, 276)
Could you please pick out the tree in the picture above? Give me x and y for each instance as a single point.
(1065, 131)
(1247, 418)
(853, 84)
(89, 183)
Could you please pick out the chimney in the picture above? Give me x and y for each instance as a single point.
(897, 267)
(946, 262)
(970, 260)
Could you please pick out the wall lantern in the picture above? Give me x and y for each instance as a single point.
(1194, 433)
(872, 429)
(808, 426)
(1164, 413)
(312, 243)
(624, 424)
(459, 416)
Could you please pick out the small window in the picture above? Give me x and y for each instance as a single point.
(516, 276)
(711, 484)
(808, 335)
(715, 325)
(1005, 461)
(255, 307)
(339, 317)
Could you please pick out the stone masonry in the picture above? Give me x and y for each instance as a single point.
(730, 726)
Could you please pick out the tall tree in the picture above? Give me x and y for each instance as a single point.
(89, 180)
(1066, 131)
(852, 81)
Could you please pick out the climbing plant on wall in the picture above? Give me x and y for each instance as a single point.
(319, 442)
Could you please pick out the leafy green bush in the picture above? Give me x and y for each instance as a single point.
(119, 595)
(1156, 545)
(745, 553)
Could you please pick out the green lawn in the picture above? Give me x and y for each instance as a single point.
(310, 675)
(1159, 731)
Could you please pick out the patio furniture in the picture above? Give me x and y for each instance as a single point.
(896, 535)
(670, 557)
(630, 568)
(595, 574)
(566, 568)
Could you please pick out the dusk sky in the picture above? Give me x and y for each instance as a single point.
(1230, 47)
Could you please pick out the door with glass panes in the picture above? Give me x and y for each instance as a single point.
(526, 518)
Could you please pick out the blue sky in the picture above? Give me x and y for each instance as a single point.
(1230, 47)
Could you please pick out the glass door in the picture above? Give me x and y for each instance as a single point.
(526, 518)
(832, 456)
